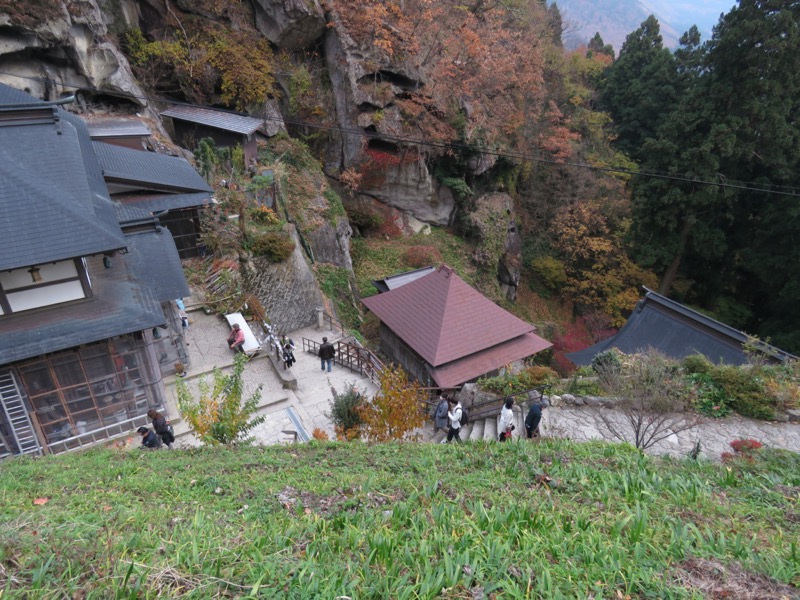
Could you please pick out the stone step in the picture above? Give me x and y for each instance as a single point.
(476, 433)
(490, 429)
(465, 432)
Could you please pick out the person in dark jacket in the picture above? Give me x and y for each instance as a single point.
(532, 420)
(150, 441)
(326, 354)
(440, 416)
(161, 427)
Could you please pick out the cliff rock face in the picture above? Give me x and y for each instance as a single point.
(288, 290)
(290, 24)
(493, 225)
(365, 91)
(42, 51)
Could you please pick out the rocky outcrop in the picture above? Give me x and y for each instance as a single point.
(410, 188)
(492, 225)
(288, 290)
(330, 243)
(290, 24)
(365, 92)
(64, 52)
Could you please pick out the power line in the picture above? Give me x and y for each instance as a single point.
(727, 183)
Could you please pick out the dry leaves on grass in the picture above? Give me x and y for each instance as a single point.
(716, 580)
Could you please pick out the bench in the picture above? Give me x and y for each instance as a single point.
(251, 345)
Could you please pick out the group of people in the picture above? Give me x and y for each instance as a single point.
(285, 348)
(161, 434)
(449, 416)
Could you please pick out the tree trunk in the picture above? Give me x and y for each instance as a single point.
(669, 275)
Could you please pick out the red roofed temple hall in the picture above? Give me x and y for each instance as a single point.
(446, 333)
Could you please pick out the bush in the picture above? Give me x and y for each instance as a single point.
(709, 399)
(697, 363)
(275, 247)
(606, 364)
(344, 412)
(422, 256)
(550, 271)
(365, 219)
(220, 415)
(531, 377)
(744, 392)
(263, 215)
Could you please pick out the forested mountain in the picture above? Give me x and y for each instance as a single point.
(615, 19)
(474, 120)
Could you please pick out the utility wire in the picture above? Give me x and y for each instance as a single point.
(727, 183)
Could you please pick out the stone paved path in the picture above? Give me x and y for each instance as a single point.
(715, 435)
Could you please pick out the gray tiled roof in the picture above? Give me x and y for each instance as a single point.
(154, 260)
(130, 212)
(149, 169)
(119, 305)
(676, 331)
(50, 208)
(155, 203)
(218, 119)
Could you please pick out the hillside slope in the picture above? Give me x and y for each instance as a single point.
(545, 520)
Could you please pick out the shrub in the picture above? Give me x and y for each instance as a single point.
(606, 364)
(709, 399)
(531, 377)
(422, 256)
(745, 392)
(319, 435)
(263, 215)
(275, 247)
(697, 363)
(365, 218)
(344, 412)
(744, 449)
(218, 415)
(396, 410)
(550, 271)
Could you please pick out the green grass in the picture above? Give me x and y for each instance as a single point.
(389, 521)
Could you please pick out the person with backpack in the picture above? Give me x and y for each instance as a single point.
(454, 414)
(162, 427)
(288, 355)
(506, 424)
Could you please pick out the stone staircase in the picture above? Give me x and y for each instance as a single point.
(479, 429)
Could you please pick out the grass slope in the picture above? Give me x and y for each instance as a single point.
(552, 519)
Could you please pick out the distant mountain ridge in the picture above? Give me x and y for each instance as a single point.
(615, 19)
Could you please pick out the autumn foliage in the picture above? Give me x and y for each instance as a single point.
(480, 66)
(220, 415)
(395, 411)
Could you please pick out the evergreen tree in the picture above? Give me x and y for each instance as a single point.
(639, 88)
(597, 46)
(754, 73)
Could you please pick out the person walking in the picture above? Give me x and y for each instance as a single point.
(236, 338)
(532, 420)
(326, 354)
(161, 427)
(150, 441)
(454, 414)
(440, 416)
(506, 424)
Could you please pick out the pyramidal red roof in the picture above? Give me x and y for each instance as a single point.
(443, 319)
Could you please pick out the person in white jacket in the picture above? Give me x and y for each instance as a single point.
(454, 414)
(506, 424)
